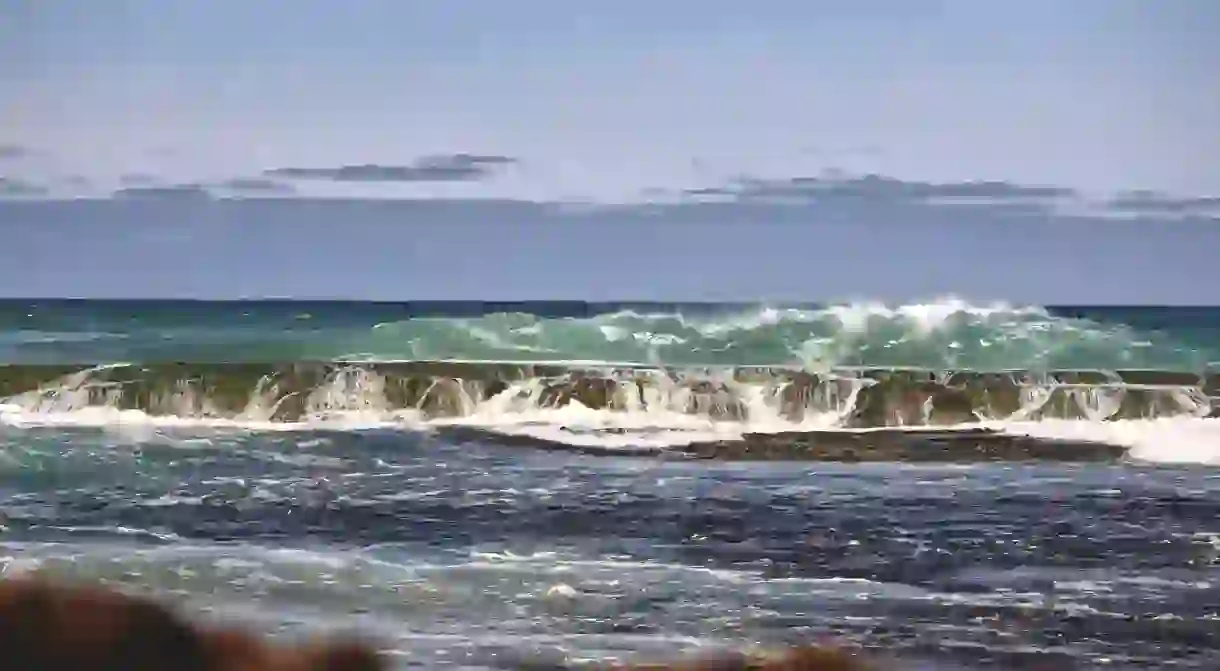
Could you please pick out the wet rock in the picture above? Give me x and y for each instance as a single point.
(408, 391)
(943, 446)
(992, 395)
(1164, 378)
(714, 399)
(445, 397)
(948, 405)
(1211, 385)
(20, 379)
(592, 392)
(289, 391)
(803, 392)
(1082, 377)
(977, 445)
(1146, 404)
(895, 398)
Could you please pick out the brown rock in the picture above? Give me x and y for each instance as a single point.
(58, 627)
(592, 392)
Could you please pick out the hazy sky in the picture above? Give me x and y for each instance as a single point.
(605, 101)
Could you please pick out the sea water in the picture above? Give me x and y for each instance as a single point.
(424, 473)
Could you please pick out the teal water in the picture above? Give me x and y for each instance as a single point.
(937, 335)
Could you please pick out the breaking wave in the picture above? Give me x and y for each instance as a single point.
(739, 412)
(948, 334)
(944, 379)
(945, 334)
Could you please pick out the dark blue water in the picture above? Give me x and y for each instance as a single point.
(474, 555)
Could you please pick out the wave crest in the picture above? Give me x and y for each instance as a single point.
(941, 334)
(945, 334)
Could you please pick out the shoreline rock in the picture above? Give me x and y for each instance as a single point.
(898, 446)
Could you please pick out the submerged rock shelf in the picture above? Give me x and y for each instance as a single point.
(914, 446)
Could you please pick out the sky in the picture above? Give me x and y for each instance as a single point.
(401, 149)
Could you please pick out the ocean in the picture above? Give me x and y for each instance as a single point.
(495, 485)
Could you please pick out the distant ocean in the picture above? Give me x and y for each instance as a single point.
(486, 485)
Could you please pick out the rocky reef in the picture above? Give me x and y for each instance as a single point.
(848, 398)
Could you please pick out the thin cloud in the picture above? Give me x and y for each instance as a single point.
(141, 185)
(15, 151)
(1152, 202)
(437, 168)
(880, 188)
(176, 192)
(256, 185)
(138, 179)
(17, 187)
(712, 191)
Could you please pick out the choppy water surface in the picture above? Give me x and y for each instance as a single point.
(472, 555)
(324, 465)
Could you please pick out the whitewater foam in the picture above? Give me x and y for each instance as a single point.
(1168, 440)
(1171, 440)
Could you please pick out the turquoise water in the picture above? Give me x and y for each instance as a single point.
(941, 334)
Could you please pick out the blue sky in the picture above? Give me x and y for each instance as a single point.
(611, 102)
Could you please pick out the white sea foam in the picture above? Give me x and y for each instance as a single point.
(1185, 440)
(1182, 439)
